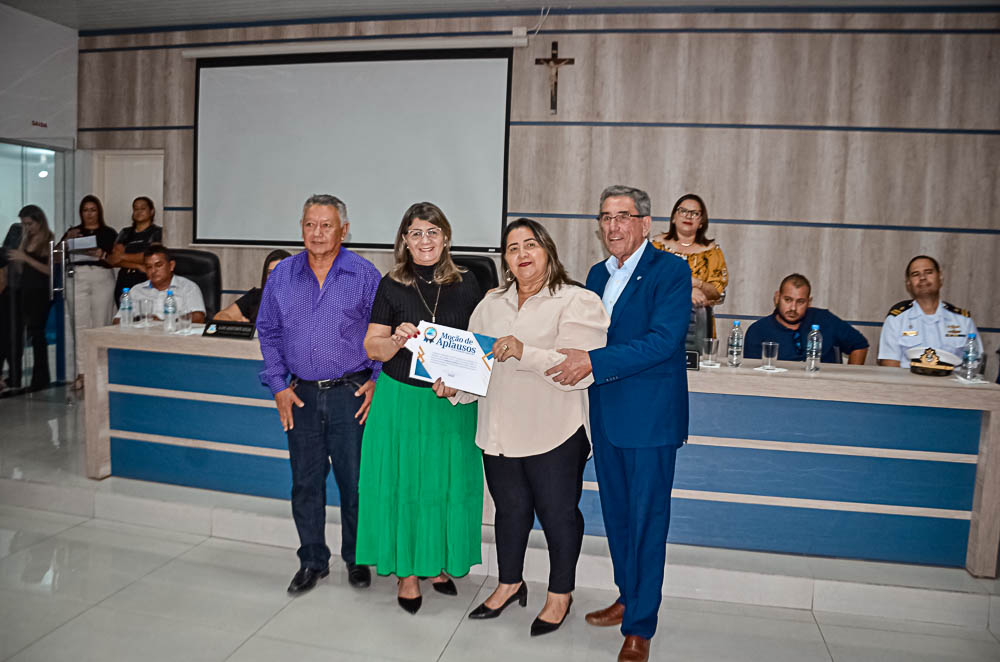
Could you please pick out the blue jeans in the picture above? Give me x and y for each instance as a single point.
(325, 433)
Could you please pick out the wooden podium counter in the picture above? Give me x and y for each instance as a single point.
(852, 461)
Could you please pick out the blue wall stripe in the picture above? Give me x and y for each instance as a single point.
(763, 127)
(850, 31)
(832, 422)
(706, 9)
(483, 33)
(295, 40)
(178, 208)
(869, 536)
(693, 522)
(794, 224)
(207, 469)
(193, 419)
(94, 129)
(187, 372)
(887, 481)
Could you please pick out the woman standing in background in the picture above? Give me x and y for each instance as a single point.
(131, 242)
(93, 276)
(28, 292)
(709, 276)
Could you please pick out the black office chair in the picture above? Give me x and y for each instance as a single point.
(482, 267)
(699, 327)
(203, 268)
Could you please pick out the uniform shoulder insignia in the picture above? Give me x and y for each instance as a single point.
(901, 307)
(955, 309)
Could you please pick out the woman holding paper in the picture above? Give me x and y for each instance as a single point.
(94, 278)
(533, 431)
(420, 495)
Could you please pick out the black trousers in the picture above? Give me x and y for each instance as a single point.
(20, 310)
(550, 485)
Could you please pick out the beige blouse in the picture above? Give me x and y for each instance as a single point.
(524, 412)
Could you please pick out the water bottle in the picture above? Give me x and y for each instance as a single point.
(734, 349)
(970, 358)
(170, 313)
(814, 349)
(125, 308)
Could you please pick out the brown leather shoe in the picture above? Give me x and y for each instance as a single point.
(635, 649)
(608, 616)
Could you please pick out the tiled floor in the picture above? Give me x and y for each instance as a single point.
(78, 589)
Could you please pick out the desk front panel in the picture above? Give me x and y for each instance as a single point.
(817, 477)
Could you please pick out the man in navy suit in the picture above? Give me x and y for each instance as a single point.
(638, 407)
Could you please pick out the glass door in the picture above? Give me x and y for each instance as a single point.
(35, 189)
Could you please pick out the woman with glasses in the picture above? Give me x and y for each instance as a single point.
(686, 238)
(420, 495)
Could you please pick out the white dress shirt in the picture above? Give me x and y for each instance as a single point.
(620, 276)
(947, 328)
(186, 292)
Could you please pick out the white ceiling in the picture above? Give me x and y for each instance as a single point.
(134, 14)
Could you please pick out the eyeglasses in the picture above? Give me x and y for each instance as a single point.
(689, 213)
(433, 234)
(620, 217)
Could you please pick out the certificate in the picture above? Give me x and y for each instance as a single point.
(461, 359)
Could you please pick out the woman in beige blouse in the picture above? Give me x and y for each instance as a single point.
(533, 431)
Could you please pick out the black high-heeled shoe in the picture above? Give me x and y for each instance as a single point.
(482, 611)
(411, 605)
(540, 627)
(447, 587)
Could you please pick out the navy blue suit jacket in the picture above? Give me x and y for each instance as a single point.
(639, 398)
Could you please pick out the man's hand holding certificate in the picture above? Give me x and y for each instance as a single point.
(461, 359)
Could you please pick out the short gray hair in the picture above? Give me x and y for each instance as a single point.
(639, 197)
(326, 200)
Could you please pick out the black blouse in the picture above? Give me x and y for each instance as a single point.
(396, 303)
(135, 242)
(249, 304)
(106, 238)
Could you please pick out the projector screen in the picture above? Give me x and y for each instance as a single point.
(380, 131)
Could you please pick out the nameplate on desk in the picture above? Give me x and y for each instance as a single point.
(244, 330)
(692, 359)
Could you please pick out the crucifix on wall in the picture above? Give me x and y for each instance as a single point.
(553, 63)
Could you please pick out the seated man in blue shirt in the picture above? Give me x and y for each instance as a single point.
(791, 321)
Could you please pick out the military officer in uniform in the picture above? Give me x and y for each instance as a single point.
(925, 320)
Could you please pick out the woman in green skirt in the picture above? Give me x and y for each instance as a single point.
(421, 487)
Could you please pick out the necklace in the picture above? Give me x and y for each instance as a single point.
(685, 245)
(424, 301)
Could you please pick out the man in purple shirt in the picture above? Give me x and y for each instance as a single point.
(312, 321)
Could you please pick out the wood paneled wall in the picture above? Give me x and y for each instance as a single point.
(836, 145)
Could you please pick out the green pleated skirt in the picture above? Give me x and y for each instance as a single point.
(420, 496)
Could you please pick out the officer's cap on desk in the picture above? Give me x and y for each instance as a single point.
(930, 361)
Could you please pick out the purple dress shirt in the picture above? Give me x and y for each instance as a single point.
(316, 332)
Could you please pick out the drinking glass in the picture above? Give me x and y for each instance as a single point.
(183, 321)
(146, 312)
(769, 352)
(709, 349)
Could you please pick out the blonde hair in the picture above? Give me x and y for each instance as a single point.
(446, 271)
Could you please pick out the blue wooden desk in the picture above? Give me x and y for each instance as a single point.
(854, 461)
